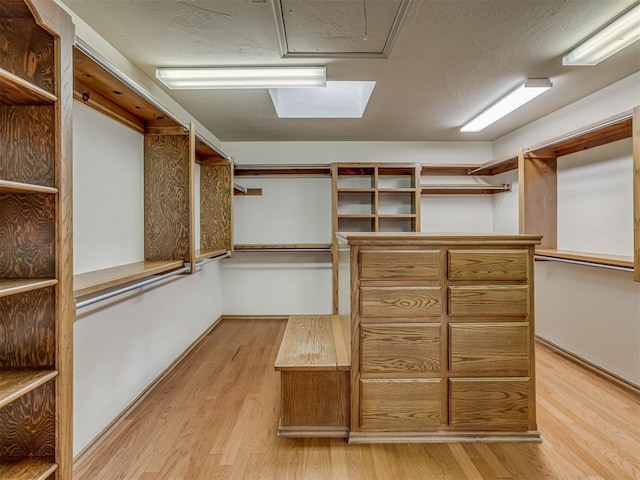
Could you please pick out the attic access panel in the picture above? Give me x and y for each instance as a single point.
(337, 28)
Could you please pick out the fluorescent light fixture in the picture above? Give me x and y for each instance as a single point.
(615, 36)
(242, 77)
(517, 97)
(347, 99)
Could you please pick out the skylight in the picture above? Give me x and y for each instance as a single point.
(336, 100)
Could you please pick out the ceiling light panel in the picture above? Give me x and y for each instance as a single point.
(242, 77)
(513, 100)
(618, 34)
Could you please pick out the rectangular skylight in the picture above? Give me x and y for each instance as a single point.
(336, 100)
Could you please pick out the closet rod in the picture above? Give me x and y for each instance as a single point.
(493, 163)
(580, 262)
(199, 264)
(129, 288)
(571, 136)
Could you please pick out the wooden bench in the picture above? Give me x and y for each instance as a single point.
(314, 365)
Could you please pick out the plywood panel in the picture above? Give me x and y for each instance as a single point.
(400, 348)
(167, 197)
(498, 264)
(538, 198)
(416, 265)
(489, 347)
(27, 236)
(400, 404)
(28, 52)
(400, 301)
(215, 207)
(27, 329)
(489, 300)
(27, 425)
(489, 403)
(26, 149)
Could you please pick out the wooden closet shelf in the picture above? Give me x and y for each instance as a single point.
(465, 189)
(204, 254)
(31, 468)
(14, 286)
(14, 383)
(356, 215)
(623, 261)
(399, 216)
(284, 247)
(16, 187)
(293, 169)
(498, 165)
(17, 91)
(445, 170)
(93, 282)
(356, 190)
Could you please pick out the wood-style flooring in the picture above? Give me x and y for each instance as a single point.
(215, 416)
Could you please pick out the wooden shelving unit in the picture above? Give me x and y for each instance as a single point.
(465, 189)
(622, 261)
(216, 200)
(382, 197)
(36, 308)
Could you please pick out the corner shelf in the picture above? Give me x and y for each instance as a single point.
(15, 383)
(16, 91)
(464, 189)
(98, 281)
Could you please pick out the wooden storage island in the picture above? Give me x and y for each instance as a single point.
(442, 336)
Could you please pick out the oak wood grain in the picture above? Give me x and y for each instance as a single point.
(26, 153)
(17, 91)
(27, 233)
(27, 329)
(489, 300)
(400, 404)
(216, 191)
(485, 265)
(167, 197)
(489, 348)
(490, 403)
(400, 301)
(400, 348)
(27, 425)
(308, 344)
(93, 282)
(14, 383)
(417, 265)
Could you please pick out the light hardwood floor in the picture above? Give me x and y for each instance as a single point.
(215, 417)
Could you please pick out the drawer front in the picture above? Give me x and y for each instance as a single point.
(400, 265)
(400, 348)
(489, 403)
(400, 404)
(489, 300)
(400, 301)
(488, 264)
(489, 347)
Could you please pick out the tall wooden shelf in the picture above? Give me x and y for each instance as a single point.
(373, 197)
(171, 150)
(36, 309)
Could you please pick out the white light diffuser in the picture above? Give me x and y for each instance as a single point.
(242, 77)
(345, 99)
(522, 94)
(620, 33)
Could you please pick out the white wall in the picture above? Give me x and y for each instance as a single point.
(593, 312)
(298, 210)
(121, 345)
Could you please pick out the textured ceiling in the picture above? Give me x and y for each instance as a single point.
(451, 59)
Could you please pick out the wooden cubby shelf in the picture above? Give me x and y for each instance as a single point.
(623, 261)
(91, 283)
(17, 91)
(31, 468)
(24, 188)
(14, 286)
(356, 190)
(465, 189)
(14, 383)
